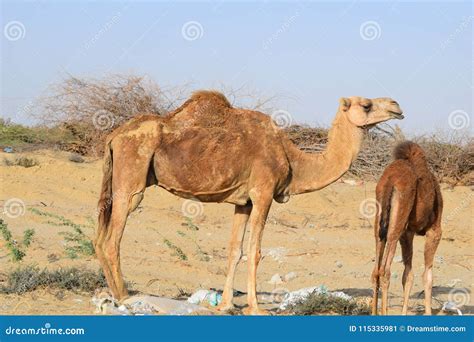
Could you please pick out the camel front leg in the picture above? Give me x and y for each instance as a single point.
(258, 218)
(241, 216)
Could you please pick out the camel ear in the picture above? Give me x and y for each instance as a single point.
(345, 103)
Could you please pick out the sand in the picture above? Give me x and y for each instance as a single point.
(322, 237)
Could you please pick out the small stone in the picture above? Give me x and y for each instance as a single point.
(76, 158)
(398, 258)
(439, 259)
(339, 264)
(244, 258)
(290, 276)
(276, 279)
(394, 275)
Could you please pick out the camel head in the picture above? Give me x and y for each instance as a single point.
(366, 113)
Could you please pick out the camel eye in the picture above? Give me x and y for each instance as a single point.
(366, 106)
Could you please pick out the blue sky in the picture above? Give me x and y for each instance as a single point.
(308, 53)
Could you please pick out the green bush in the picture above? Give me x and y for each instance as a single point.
(17, 253)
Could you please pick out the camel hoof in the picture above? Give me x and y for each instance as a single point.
(255, 312)
(225, 307)
(121, 297)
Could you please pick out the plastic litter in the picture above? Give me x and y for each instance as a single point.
(8, 150)
(212, 297)
(163, 306)
(140, 307)
(105, 304)
(276, 279)
(451, 307)
(301, 294)
(290, 276)
(145, 305)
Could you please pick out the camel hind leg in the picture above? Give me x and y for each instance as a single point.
(379, 249)
(406, 242)
(128, 185)
(433, 236)
(401, 205)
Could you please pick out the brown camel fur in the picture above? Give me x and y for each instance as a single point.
(209, 151)
(410, 203)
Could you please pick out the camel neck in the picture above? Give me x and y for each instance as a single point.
(313, 171)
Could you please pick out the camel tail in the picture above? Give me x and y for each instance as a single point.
(105, 200)
(385, 208)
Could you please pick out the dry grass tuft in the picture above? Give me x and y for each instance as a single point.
(21, 161)
(317, 303)
(30, 278)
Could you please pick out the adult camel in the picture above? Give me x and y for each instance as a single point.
(209, 151)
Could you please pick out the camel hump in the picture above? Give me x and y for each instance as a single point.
(410, 151)
(211, 96)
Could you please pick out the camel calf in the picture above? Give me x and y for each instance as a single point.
(410, 203)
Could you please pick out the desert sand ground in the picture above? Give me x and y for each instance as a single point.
(321, 236)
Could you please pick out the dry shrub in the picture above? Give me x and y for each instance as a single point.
(318, 303)
(30, 278)
(450, 155)
(21, 161)
(312, 139)
(90, 108)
